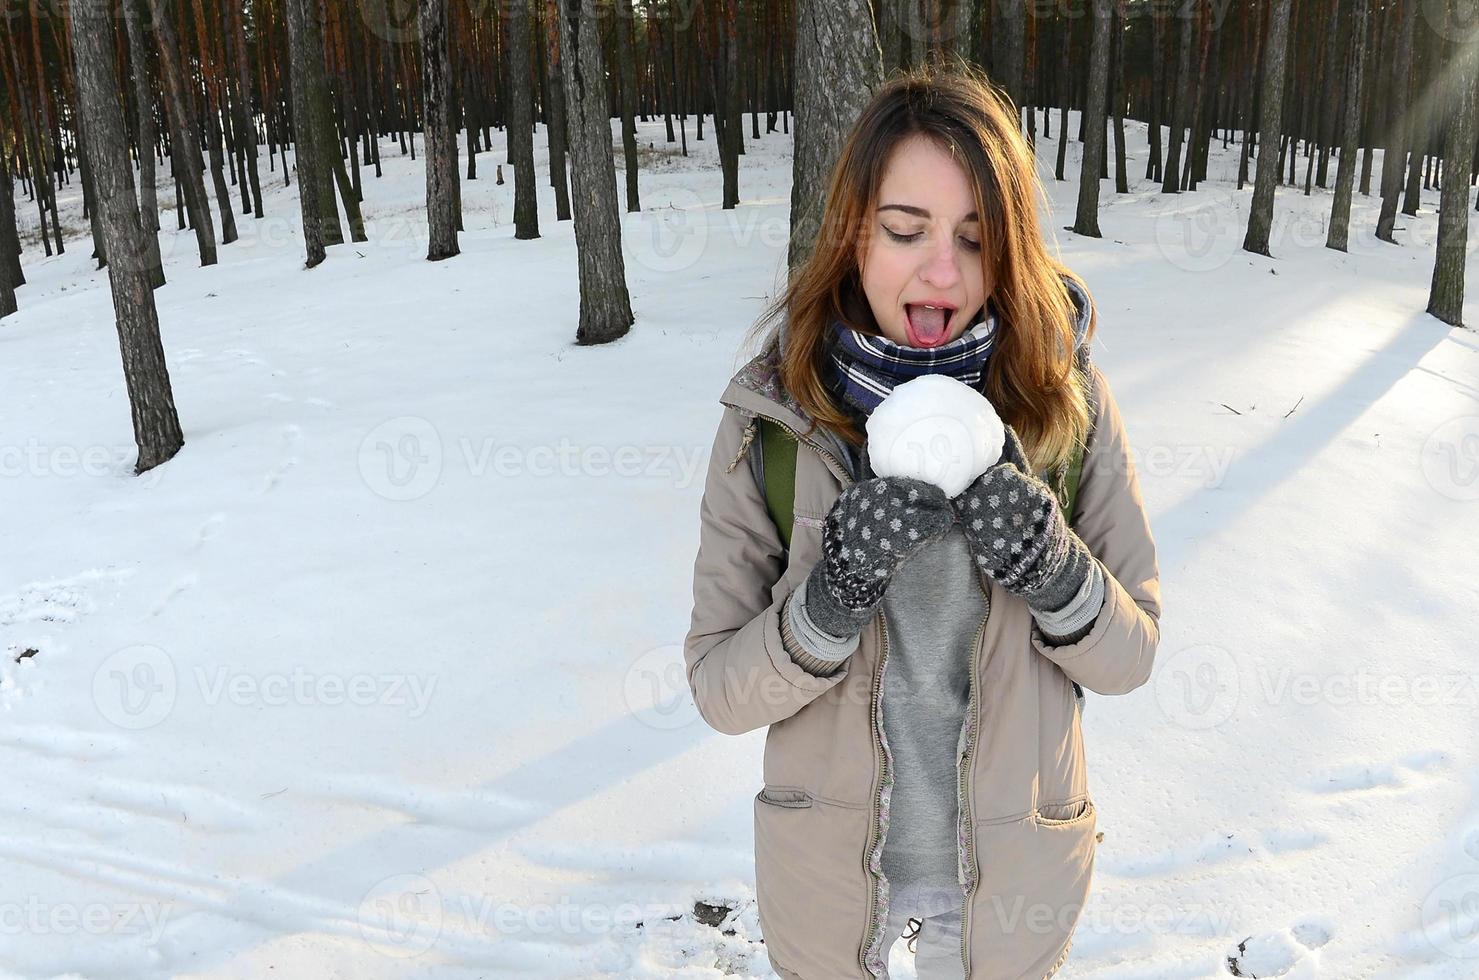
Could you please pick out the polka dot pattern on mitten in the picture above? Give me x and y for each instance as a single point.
(873, 528)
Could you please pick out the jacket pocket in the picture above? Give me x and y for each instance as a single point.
(1064, 814)
(784, 796)
(1034, 883)
(810, 887)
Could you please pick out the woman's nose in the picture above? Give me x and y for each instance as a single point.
(941, 266)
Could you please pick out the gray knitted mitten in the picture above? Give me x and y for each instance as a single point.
(1018, 533)
(873, 528)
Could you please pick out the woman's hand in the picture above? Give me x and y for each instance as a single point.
(1018, 534)
(873, 528)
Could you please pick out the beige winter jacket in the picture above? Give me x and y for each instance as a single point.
(1027, 820)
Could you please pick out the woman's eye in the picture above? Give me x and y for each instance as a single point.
(898, 237)
(974, 246)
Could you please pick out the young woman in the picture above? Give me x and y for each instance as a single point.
(920, 659)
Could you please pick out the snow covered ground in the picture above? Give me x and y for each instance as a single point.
(381, 676)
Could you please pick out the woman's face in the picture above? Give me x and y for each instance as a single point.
(924, 248)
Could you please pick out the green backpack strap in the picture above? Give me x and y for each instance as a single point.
(1067, 488)
(778, 452)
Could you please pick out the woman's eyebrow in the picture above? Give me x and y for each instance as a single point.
(919, 212)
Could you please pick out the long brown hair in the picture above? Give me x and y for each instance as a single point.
(1032, 377)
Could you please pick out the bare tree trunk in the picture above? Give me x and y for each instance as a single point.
(10, 243)
(1117, 100)
(1157, 99)
(307, 162)
(1420, 131)
(556, 132)
(156, 425)
(1261, 213)
(733, 134)
(1446, 297)
(1009, 47)
(1087, 220)
(441, 146)
(245, 128)
(520, 119)
(212, 88)
(144, 105)
(1345, 174)
(605, 307)
(184, 139)
(318, 125)
(838, 65)
(628, 77)
(1394, 160)
(1171, 177)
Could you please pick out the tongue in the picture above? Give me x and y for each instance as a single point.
(928, 324)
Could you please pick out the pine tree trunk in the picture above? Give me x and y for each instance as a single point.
(1087, 220)
(605, 308)
(838, 65)
(1394, 160)
(310, 168)
(1009, 48)
(1261, 213)
(441, 149)
(10, 245)
(212, 87)
(556, 132)
(1446, 297)
(1157, 99)
(1117, 100)
(10, 242)
(184, 138)
(733, 133)
(1421, 131)
(628, 77)
(520, 121)
(1171, 177)
(245, 127)
(318, 125)
(138, 58)
(1345, 174)
(151, 401)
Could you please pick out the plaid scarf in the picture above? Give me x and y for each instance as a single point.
(865, 367)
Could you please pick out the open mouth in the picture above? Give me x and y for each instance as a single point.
(928, 325)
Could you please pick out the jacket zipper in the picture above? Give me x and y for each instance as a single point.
(876, 829)
(964, 800)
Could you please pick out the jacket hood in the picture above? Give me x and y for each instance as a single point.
(1083, 311)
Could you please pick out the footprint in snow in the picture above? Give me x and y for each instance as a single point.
(1282, 952)
(1373, 775)
(292, 438)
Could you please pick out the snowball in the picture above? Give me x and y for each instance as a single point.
(937, 429)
